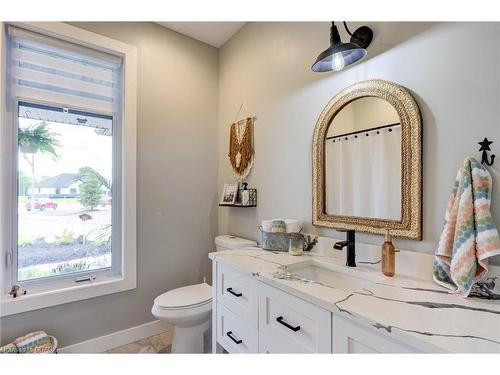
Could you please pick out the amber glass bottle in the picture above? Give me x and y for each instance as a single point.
(388, 256)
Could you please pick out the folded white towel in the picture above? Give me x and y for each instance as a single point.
(293, 226)
(267, 225)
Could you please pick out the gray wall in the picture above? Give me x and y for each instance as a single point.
(177, 182)
(453, 71)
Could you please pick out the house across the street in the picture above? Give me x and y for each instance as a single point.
(64, 185)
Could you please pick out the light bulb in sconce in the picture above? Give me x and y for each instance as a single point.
(338, 62)
(340, 55)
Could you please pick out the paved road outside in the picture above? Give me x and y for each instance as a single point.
(42, 229)
(52, 222)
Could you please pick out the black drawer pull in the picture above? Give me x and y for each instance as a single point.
(230, 290)
(280, 320)
(230, 335)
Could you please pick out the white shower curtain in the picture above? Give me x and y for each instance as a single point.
(363, 174)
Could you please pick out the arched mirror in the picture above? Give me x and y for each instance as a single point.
(367, 166)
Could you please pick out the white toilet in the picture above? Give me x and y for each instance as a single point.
(189, 308)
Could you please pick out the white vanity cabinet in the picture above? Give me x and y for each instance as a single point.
(233, 333)
(349, 337)
(238, 293)
(253, 317)
(288, 324)
(235, 311)
(250, 316)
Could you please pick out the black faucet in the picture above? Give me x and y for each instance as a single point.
(351, 249)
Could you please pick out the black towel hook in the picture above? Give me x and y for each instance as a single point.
(485, 147)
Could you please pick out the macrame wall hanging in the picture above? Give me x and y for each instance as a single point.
(241, 150)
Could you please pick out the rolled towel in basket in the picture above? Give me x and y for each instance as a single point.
(9, 349)
(278, 226)
(267, 225)
(34, 342)
(293, 226)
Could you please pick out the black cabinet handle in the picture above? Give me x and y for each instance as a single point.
(230, 290)
(280, 320)
(230, 335)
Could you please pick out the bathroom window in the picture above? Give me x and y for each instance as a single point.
(64, 192)
(71, 137)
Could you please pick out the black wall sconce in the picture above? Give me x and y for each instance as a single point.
(339, 55)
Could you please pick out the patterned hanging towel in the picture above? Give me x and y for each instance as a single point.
(470, 235)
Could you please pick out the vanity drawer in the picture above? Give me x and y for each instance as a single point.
(267, 345)
(349, 337)
(238, 293)
(235, 335)
(291, 324)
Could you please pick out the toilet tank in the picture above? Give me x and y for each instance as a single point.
(227, 242)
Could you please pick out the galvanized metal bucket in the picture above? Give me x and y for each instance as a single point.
(275, 241)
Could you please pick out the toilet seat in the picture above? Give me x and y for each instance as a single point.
(178, 308)
(187, 297)
(184, 316)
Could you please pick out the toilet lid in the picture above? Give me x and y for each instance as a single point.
(190, 295)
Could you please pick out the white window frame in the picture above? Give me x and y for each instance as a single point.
(61, 290)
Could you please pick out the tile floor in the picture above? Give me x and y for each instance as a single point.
(161, 343)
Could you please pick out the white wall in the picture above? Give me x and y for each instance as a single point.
(453, 71)
(343, 123)
(373, 112)
(177, 184)
(362, 114)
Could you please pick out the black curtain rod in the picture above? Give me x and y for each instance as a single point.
(364, 131)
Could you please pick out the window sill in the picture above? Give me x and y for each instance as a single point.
(73, 293)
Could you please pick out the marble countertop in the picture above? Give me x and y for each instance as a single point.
(417, 312)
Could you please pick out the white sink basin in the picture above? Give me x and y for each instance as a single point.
(335, 275)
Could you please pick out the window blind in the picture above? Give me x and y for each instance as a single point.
(52, 70)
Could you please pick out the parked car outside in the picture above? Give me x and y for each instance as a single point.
(41, 204)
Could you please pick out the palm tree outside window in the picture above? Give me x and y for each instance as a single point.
(32, 140)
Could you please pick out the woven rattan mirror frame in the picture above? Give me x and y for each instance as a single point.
(410, 225)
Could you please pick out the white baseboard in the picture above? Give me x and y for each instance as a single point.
(119, 338)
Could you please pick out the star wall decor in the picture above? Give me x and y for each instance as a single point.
(485, 147)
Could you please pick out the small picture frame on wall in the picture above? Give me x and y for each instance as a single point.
(229, 194)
